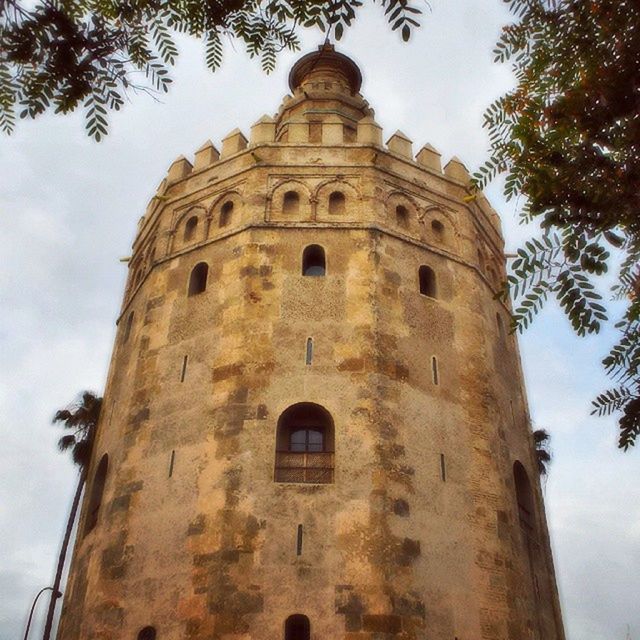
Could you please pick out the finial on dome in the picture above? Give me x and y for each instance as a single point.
(326, 61)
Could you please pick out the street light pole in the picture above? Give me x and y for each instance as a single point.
(33, 606)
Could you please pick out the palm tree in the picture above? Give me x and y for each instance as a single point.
(541, 440)
(81, 418)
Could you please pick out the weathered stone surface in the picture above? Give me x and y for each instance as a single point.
(194, 536)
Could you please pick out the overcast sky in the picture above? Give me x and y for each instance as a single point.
(68, 212)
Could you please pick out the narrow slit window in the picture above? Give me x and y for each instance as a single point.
(313, 261)
(127, 328)
(337, 203)
(183, 373)
(291, 203)
(309, 351)
(443, 468)
(297, 627)
(190, 228)
(427, 279)
(225, 213)
(198, 279)
(435, 374)
(299, 541)
(172, 460)
(500, 326)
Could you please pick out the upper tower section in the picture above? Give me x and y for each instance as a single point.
(325, 87)
(319, 161)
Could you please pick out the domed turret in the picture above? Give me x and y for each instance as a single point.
(326, 70)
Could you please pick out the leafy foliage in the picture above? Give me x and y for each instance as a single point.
(541, 440)
(91, 54)
(568, 138)
(81, 418)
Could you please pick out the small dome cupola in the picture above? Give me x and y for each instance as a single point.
(326, 70)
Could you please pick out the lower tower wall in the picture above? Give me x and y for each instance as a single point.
(419, 535)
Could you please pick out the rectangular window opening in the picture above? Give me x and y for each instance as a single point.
(349, 134)
(171, 462)
(315, 132)
(443, 468)
(184, 369)
(309, 353)
(434, 370)
(299, 541)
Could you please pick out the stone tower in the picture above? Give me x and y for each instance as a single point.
(314, 426)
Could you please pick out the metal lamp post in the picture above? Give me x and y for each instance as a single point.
(58, 594)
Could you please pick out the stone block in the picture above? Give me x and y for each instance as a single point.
(233, 143)
(180, 168)
(378, 623)
(429, 158)
(205, 156)
(298, 132)
(333, 131)
(369, 132)
(263, 131)
(400, 144)
(456, 170)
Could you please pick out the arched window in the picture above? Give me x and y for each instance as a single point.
(336, 203)
(225, 213)
(198, 278)
(304, 445)
(297, 627)
(190, 228)
(524, 498)
(95, 499)
(313, 261)
(438, 229)
(427, 279)
(402, 216)
(148, 633)
(127, 327)
(291, 203)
